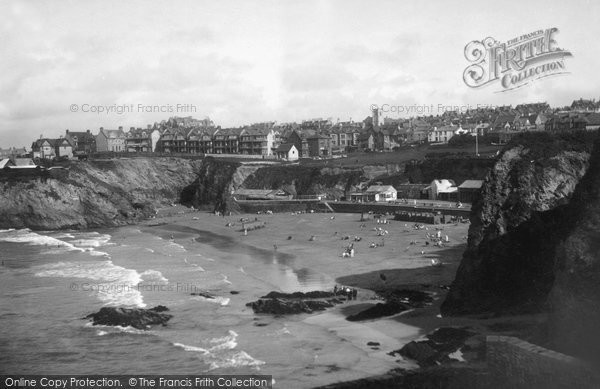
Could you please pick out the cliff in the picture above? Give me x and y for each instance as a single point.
(94, 194)
(575, 296)
(517, 225)
(219, 179)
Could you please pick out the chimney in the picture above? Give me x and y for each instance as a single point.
(88, 131)
(149, 126)
(101, 128)
(120, 128)
(67, 131)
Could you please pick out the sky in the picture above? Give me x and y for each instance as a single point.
(241, 62)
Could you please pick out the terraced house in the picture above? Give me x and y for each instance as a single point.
(256, 141)
(141, 140)
(226, 141)
(172, 140)
(200, 141)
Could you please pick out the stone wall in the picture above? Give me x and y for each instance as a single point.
(516, 364)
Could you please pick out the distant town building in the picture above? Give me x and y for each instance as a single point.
(443, 190)
(319, 145)
(83, 142)
(12, 152)
(469, 190)
(51, 148)
(287, 151)
(256, 141)
(375, 193)
(141, 140)
(110, 140)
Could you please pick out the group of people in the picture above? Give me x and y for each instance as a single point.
(350, 293)
(436, 238)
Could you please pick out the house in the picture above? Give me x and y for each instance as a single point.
(83, 142)
(262, 194)
(442, 190)
(344, 136)
(141, 140)
(111, 140)
(469, 190)
(200, 141)
(287, 151)
(442, 134)
(63, 148)
(299, 138)
(366, 141)
(256, 141)
(226, 140)
(412, 191)
(319, 145)
(43, 148)
(592, 121)
(375, 193)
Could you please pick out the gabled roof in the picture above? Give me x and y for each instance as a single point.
(5, 162)
(285, 148)
(471, 184)
(380, 188)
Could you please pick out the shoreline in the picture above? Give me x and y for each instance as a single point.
(316, 242)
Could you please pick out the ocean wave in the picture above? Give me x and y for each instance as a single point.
(103, 330)
(153, 275)
(83, 242)
(222, 354)
(34, 239)
(114, 285)
(223, 301)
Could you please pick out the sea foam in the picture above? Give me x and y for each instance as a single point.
(219, 353)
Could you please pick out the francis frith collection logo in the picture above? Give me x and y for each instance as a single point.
(514, 63)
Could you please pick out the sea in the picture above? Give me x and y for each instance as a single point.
(51, 280)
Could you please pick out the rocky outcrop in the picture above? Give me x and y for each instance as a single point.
(396, 301)
(277, 303)
(444, 345)
(219, 179)
(517, 224)
(138, 318)
(97, 193)
(575, 296)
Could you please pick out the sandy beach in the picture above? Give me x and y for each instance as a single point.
(315, 243)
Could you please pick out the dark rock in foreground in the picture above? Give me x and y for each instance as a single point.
(279, 306)
(397, 301)
(138, 318)
(278, 303)
(315, 294)
(436, 348)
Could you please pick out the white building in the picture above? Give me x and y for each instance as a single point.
(442, 190)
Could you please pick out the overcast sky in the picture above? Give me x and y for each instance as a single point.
(240, 62)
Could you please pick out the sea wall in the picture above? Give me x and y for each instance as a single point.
(517, 224)
(516, 364)
(97, 193)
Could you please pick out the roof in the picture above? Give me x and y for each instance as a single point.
(381, 188)
(24, 162)
(113, 134)
(5, 162)
(593, 119)
(285, 148)
(471, 184)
